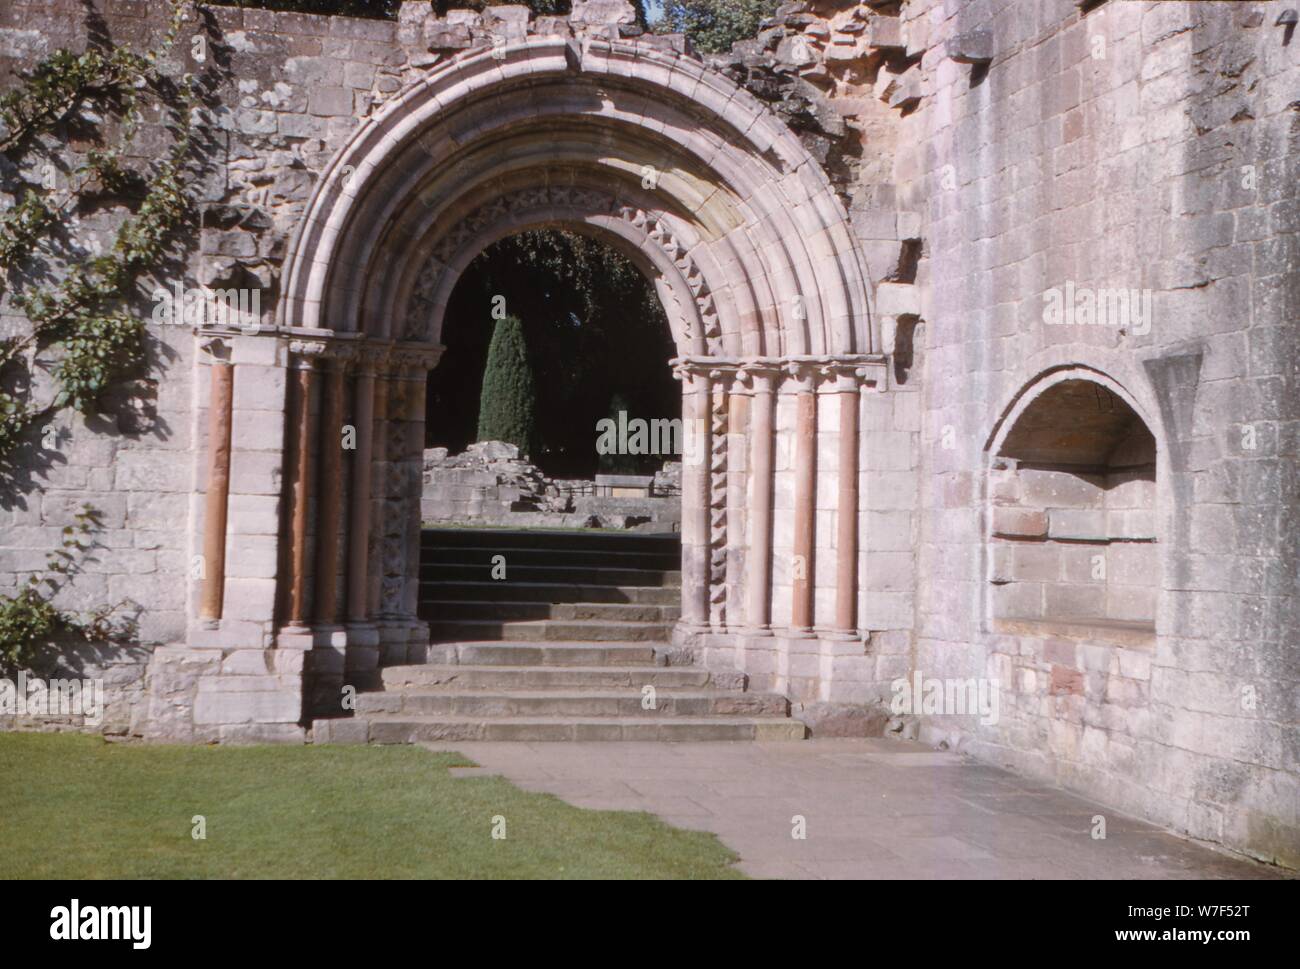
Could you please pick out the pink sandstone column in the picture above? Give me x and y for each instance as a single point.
(216, 504)
(758, 568)
(328, 504)
(300, 493)
(846, 537)
(805, 496)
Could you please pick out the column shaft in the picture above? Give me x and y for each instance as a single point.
(695, 501)
(413, 458)
(758, 569)
(846, 538)
(305, 380)
(328, 507)
(359, 532)
(380, 457)
(216, 504)
(805, 498)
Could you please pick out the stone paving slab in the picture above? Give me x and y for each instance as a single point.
(873, 809)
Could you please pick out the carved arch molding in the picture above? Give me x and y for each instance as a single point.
(707, 191)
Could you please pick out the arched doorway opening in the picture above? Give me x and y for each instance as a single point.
(708, 194)
(597, 346)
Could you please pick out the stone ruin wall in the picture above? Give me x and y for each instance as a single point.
(289, 89)
(1148, 145)
(985, 153)
(490, 484)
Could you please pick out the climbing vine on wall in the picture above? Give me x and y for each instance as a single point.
(29, 621)
(76, 295)
(80, 315)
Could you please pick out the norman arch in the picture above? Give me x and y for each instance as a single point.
(708, 193)
(654, 130)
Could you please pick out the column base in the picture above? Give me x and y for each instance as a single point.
(295, 636)
(323, 673)
(394, 642)
(329, 635)
(361, 665)
(841, 635)
(363, 634)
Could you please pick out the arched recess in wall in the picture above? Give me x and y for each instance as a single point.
(708, 192)
(1072, 519)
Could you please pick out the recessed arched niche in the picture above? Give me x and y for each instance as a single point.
(1072, 536)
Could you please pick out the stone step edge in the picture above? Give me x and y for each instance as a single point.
(571, 692)
(591, 644)
(543, 602)
(516, 623)
(358, 730)
(668, 553)
(512, 584)
(730, 680)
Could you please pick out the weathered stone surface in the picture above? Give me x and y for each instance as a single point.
(601, 12)
(1136, 162)
(842, 719)
(444, 35)
(972, 47)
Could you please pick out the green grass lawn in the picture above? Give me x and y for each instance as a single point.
(73, 806)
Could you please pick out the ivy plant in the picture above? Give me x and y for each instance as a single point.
(29, 621)
(77, 298)
(82, 317)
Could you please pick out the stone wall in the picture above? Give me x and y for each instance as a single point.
(489, 484)
(991, 155)
(1142, 145)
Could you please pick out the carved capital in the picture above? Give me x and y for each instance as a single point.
(414, 359)
(306, 354)
(218, 348)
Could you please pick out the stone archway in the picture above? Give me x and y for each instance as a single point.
(710, 194)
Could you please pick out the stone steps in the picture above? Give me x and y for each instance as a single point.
(559, 653)
(588, 539)
(549, 592)
(564, 575)
(568, 558)
(446, 701)
(548, 630)
(509, 610)
(404, 729)
(466, 677)
(562, 649)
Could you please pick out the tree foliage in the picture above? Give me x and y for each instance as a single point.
(508, 403)
(714, 25)
(594, 326)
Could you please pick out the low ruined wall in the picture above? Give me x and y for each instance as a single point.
(489, 484)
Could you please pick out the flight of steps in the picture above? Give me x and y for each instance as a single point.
(561, 648)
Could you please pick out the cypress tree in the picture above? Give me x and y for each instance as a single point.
(618, 462)
(508, 404)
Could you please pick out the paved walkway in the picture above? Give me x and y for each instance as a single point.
(873, 809)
